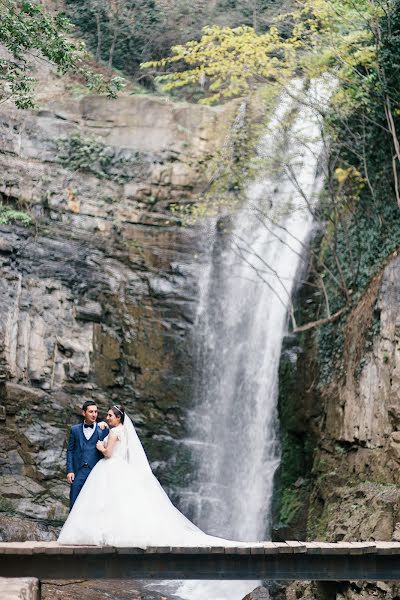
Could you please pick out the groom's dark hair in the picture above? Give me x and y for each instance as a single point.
(88, 403)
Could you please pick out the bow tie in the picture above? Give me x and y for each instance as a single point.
(85, 425)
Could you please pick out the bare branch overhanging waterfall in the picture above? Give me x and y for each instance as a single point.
(246, 288)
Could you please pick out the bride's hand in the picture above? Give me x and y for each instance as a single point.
(100, 446)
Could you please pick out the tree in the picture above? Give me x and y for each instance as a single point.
(29, 33)
(324, 34)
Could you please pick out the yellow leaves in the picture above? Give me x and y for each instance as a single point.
(350, 183)
(230, 59)
(324, 35)
(344, 175)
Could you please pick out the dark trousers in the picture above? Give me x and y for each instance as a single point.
(77, 485)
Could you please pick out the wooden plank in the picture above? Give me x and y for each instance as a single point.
(313, 547)
(217, 550)
(192, 550)
(362, 547)
(387, 548)
(159, 550)
(92, 550)
(283, 548)
(325, 548)
(53, 549)
(334, 548)
(18, 548)
(238, 550)
(257, 549)
(270, 548)
(65, 550)
(125, 550)
(297, 546)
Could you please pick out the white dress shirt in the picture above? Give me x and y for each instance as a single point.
(88, 431)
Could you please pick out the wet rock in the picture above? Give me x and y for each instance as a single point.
(21, 529)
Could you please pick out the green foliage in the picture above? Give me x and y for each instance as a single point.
(89, 154)
(292, 488)
(367, 232)
(121, 33)
(6, 505)
(372, 232)
(228, 58)
(291, 502)
(125, 33)
(27, 31)
(324, 35)
(10, 215)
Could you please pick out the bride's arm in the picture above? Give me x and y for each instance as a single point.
(107, 450)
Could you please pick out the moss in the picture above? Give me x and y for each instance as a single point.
(6, 505)
(10, 215)
(292, 486)
(318, 521)
(87, 153)
(290, 504)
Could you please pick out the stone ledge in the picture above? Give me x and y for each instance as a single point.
(24, 588)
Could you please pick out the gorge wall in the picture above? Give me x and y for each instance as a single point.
(341, 453)
(97, 294)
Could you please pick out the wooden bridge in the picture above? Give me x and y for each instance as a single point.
(290, 561)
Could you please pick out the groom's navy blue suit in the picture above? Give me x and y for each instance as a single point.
(82, 456)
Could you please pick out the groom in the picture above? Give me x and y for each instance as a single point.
(82, 454)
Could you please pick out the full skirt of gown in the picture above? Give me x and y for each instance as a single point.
(123, 504)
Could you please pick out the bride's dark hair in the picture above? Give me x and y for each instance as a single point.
(118, 411)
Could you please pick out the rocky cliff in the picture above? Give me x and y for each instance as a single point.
(97, 292)
(346, 486)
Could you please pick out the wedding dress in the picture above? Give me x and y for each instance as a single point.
(123, 504)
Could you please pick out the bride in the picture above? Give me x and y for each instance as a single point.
(124, 485)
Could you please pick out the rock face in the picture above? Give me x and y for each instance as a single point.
(354, 476)
(359, 449)
(97, 296)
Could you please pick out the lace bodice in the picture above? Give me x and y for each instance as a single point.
(120, 447)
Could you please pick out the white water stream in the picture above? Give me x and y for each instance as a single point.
(246, 288)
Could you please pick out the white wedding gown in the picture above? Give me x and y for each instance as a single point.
(123, 504)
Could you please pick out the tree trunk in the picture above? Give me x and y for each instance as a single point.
(99, 37)
(112, 48)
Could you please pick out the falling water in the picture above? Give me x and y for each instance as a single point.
(246, 289)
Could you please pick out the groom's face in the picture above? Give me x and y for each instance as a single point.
(90, 414)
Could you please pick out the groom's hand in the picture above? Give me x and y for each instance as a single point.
(70, 477)
(103, 425)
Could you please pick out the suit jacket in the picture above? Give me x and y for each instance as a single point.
(81, 451)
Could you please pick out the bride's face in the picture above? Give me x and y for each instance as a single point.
(112, 420)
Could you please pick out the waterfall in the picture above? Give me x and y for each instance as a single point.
(248, 277)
